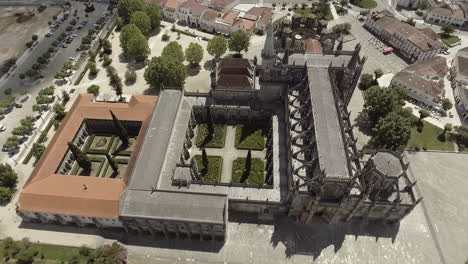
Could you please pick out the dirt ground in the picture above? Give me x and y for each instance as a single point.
(17, 26)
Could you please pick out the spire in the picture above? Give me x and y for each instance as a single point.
(269, 47)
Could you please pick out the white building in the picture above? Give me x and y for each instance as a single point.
(414, 44)
(191, 11)
(424, 81)
(446, 15)
(460, 92)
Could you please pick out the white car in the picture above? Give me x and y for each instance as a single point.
(2, 128)
(72, 58)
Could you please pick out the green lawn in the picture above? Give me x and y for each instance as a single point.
(51, 253)
(429, 139)
(257, 172)
(250, 137)
(451, 41)
(367, 4)
(215, 166)
(215, 141)
(340, 10)
(312, 10)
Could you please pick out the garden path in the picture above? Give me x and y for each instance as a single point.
(229, 153)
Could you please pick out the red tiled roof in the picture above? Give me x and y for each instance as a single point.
(62, 194)
(244, 24)
(313, 46)
(210, 15)
(196, 6)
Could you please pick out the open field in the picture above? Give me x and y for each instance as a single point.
(17, 27)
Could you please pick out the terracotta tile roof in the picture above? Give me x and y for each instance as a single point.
(426, 76)
(196, 6)
(230, 16)
(448, 12)
(258, 11)
(66, 195)
(430, 33)
(210, 15)
(222, 3)
(226, 62)
(171, 4)
(244, 24)
(313, 46)
(265, 18)
(394, 26)
(139, 108)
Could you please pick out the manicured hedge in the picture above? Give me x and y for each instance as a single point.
(256, 175)
(250, 137)
(215, 166)
(217, 140)
(39, 140)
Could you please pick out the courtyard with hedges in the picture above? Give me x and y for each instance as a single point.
(227, 150)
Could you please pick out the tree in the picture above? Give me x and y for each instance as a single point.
(28, 122)
(411, 21)
(165, 71)
(65, 96)
(106, 46)
(127, 33)
(248, 161)
(447, 29)
(448, 128)
(20, 131)
(8, 91)
(194, 53)
(112, 163)
(378, 73)
(424, 5)
(204, 161)
(379, 102)
(217, 46)
(125, 8)
(392, 131)
(142, 21)
(93, 70)
(8, 176)
(81, 158)
(59, 111)
(5, 195)
(137, 47)
(154, 15)
(342, 28)
(239, 41)
(423, 113)
(115, 254)
(36, 108)
(25, 257)
(446, 104)
(174, 50)
(37, 150)
(121, 131)
(130, 76)
(367, 80)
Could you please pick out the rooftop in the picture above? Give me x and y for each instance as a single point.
(210, 15)
(448, 12)
(196, 6)
(44, 185)
(388, 164)
(394, 26)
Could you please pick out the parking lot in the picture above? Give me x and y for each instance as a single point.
(56, 62)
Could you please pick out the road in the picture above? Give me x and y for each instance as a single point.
(11, 120)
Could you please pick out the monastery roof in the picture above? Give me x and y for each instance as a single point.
(236, 82)
(394, 26)
(448, 12)
(388, 164)
(139, 108)
(222, 3)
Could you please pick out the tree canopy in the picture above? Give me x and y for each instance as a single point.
(137, 47)
(165, 70)
(392, 131)
(381, 101)
(239, 41)
(217, 46)
(174, 50)
(8, 176)
(367, 80)
(125, 8)
(154, 15)
(447, 29)
(142, 21)
(194, 53)
(378, 73)
(446, 104)
(127, 33)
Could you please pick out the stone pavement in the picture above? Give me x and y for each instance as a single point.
(229, 153)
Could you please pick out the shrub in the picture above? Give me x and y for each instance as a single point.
(130, 76)
(165, 37)
(34, 37)
(29, 44)
(8, 91)
(106, 61)
(93, 89)
(5, 194)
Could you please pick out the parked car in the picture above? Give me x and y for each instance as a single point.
(19, 105)
(48, 34)
(2, 128)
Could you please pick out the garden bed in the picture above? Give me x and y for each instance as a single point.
(451, 41)
(250, 137)
(313, 10)
(217, 139)
(215, 166)
(256, 175)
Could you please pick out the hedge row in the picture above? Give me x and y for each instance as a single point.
(39, 140)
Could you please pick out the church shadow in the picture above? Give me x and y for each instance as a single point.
(363, 123)
(120, 148)
(312, 239)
